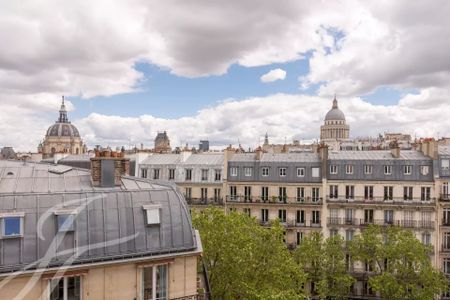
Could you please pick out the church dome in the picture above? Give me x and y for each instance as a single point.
(63, 130)
(335, 114)
(62, 127)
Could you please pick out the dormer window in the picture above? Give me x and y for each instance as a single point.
(66, 222)
(12, 225)
(152, 214)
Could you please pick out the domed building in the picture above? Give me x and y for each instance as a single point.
(335, 128)
(62, 137)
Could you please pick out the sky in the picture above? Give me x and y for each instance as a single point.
(226, 71)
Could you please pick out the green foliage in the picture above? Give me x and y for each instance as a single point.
(324, 263)
(246, 260)
(401, 264)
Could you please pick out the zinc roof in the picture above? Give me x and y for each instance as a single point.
(163, 159)
(205, 159)
(376, 155)
(444, 150)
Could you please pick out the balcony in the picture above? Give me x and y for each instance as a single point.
(204, 201)
(193, 297)
(445, 248)
(381, 200)
(274, 200)
(444, 197)
(380, 222)
(445, 222)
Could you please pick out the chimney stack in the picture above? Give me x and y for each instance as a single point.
(395, 149)
(259, 153)
(107, 167)
(322, 150)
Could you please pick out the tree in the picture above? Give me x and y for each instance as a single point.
(400, 264)
(324, 262)
(245, 260)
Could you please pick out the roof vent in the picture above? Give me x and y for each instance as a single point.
(59, 169)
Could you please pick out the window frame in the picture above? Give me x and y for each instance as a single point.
(20, 216)
(368, 169)
(248, 171)
(301, 172)
(387, 169)
(349, 169)
(265, 171)
(282, 171)
(334, 169)
(154, 208)
(407, 169)
(234, 171)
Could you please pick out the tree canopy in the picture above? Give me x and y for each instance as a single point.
(400, 264)
(245, 260)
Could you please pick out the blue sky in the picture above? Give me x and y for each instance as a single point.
(165, 95)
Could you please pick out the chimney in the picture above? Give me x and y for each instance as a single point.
(259, 153)
(430, 148)
(395, 149)
(107, 168)
(322, 150)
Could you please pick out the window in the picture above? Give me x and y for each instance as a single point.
(248, 171)
(217, 175)
(155, 173)
(388, 193)
(282, 194)
(247, 211)
(315, 217)
(368, 192)
(368, 216)
(348, 169)
(367, 169)
(154, 283)
(300, 172)
(446, 267)
(425, 193)
(446, 241)
(233, 171)
(334, 191)
(265, 193)
(233, 193)
(65, 222)
(204, 174)
(264, 215)
(12, 226)
(65, 288)
(299, 237)
(144, 173)
(282, 215)
(282, 172)
(188, 174)
(265, 171)
(300, 217)
(426, 220)
(446, 217)
(333, 169)
(349, 192)
(387, 170)
(334, 216)
(407, 170)
(407, 193)
(300, 194)
(217, 194)
(424, 170)
(348, 235)
(349, 216)
(315, 172)
(204, 194)
(408, 218)
(152, 213)
(188, 193)
(333, 232)
(248, 193)
(445, 164)
(315, 197)
(389, 217)
(171, 174)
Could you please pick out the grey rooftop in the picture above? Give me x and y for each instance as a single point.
(110, 223)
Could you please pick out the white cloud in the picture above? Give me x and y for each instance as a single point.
(282, 115)
(273, 75)
(91, 48)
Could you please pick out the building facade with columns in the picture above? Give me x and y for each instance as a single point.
(335, 129)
